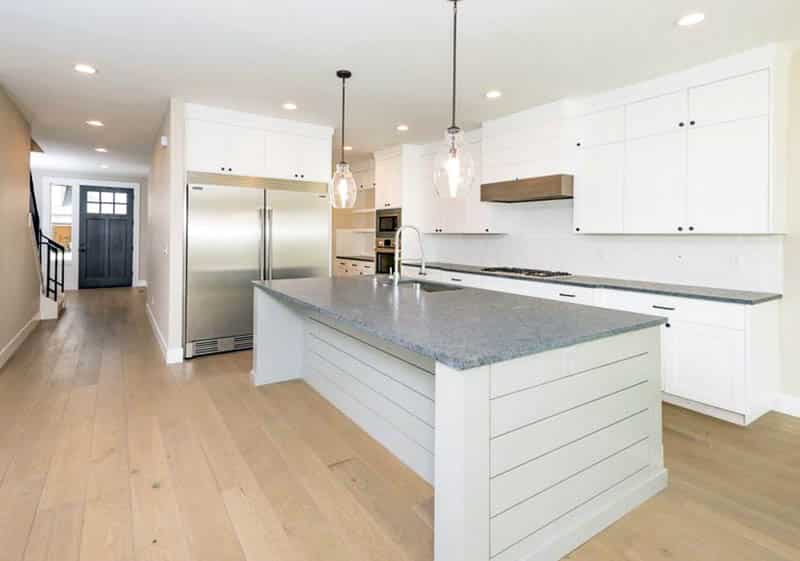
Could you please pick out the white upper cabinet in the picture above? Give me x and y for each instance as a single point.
(599, 183)
(655, 184)
(223, 141)
(707, 156)
(728, 179)
(296, 157)
(602, 127)
(736, 98)
(389, 178)
(658, 115)
(221, 148)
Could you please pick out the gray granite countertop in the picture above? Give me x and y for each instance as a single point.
(463, 328)
(680, 290)
(369, 258)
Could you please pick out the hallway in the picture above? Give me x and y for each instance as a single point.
(108, 454)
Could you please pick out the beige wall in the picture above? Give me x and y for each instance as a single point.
(19, 282)
(165, 228)
(791, 247)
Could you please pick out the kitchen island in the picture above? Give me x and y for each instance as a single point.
(538, 422)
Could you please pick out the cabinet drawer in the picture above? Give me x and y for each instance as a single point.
(462, 279)
(721, 314)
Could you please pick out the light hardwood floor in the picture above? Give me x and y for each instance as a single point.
(106, 454)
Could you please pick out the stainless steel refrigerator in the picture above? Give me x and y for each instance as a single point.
(238, 234)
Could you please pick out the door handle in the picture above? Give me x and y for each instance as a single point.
(269, 243)
(261, 234)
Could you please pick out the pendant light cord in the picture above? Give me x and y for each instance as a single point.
(343, 94)
(455, 38)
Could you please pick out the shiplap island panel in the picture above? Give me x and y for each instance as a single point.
(537, 422)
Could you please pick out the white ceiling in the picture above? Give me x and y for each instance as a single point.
(253, 56)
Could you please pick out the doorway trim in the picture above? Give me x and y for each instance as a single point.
(77, 186)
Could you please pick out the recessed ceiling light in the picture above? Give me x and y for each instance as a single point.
(289, 106)
(493, 94)
(104, 166)
(85, 69)
(402, 128)
(691, 19)
(94, 123)
(348, 148)
(102, 150)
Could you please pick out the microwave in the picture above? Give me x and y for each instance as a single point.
(387, 223)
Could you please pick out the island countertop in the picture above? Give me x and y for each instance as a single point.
(462, 329)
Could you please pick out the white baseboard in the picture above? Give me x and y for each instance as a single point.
(171, 355)
(16, 341)
(788, 404)
(140, 284)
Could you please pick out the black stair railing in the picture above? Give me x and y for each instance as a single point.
(52, 272)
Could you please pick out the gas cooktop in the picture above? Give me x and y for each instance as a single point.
(538, 273)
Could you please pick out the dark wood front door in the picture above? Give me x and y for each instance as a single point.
(106, 237)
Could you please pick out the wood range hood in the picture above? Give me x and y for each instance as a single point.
(531, 189)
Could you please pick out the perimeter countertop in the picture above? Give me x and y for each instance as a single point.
(680, 290)
(463, 328)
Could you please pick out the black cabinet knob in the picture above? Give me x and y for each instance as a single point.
(692, 123)
(486, 229)
(680, 228)
(229, 169)
(578, 144)
(681, 124)
(222, 168)
(691, 228)
(667, 325)
(577, 229)
(302, 176)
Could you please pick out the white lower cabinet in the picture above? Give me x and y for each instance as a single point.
(718, 358)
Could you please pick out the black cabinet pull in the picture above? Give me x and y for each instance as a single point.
(454, 279)
(667, 308)
(577, 229)
(222, 168)
(229, 169)
(578, 144)
(486, 229)
(302, 176)
(692, 123)
(691, 228)
(681, 124)
(565, 295)
(680, 228)
(667, 325)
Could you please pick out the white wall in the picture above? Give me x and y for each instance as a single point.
(19, 282)
(540, 236)
(165, 226)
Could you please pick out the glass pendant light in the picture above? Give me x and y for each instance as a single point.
(454, 169)
(342, 188)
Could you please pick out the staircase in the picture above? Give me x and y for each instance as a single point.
(51, 265)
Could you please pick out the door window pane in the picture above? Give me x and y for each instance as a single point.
(107, 208)
(92, 208)
(93, 196)
(107, 197)
(120, 198)
(120, 209)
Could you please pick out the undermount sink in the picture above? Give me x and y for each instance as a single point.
(425, 286)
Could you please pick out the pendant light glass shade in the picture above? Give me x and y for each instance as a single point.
(342, 188)
(454, 168)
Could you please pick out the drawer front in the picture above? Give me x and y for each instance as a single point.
(462, 279)
(720, 314)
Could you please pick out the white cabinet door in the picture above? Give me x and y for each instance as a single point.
(657, 115)
(742, 97)
(599, 182)
(603, 127)
(708, 364)
(314, 155)
(281, 150)
(387, 181)
(246, 152)
(655, 184)
(206, 146)
(728, 177)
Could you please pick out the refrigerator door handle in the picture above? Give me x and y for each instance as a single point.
(261, 234)
(269, 243)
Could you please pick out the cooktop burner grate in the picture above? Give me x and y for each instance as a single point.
(540, 273)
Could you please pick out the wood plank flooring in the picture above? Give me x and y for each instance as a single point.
(107, 454)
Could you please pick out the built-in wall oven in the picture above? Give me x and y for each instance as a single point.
(387, 223)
